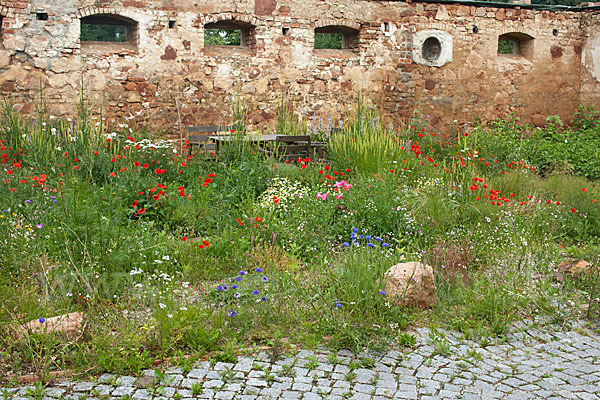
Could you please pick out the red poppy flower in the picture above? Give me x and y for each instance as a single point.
(184, 238)
(137, 163)
(211, 175)
(141, 211)
(145, 165)
(205, 243)
(134, 204)
(583, 189)
(573, 210)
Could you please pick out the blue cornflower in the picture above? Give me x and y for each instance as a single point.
(381, 292)
(234, 286)
(346, 244)
(355, 230)
(353, 236)
(242, 273)
(255, 292)
(338, 304)
(219, 288)
(238, 278)
(355, 243)
(42, 320)
(5, 211)
(265, 279)
(361, 236)
(263, 298)
(225, 287)
(27, 201)
(385, 245)
(237, 295)
(370, 244)
(368, 237)
(378, 239)
(232, 313)
(259, 269)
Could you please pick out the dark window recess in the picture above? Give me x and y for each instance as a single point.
(516, 43)
(104, 33)
(507, 47)
(432, 48)
(171, 24)
(41, 16)
(285, 31)
(223, 37)
(107, 28)
(555, 32)
(329, 40)
(475, 29)
(336, 37)
(229, 33)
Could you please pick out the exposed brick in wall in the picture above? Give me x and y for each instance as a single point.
(165, 64)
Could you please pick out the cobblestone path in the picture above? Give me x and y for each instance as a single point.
(540, 363)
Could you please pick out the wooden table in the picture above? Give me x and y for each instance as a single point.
(246, 138)
(264, 140)
(260, 140)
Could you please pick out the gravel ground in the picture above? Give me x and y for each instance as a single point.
(534, 361)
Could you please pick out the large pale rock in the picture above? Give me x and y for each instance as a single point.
(68, 324)
(574, 267)
(411, 284)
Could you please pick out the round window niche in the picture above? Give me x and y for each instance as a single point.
(432, 48)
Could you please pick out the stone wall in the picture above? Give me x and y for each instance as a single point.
(167, 76)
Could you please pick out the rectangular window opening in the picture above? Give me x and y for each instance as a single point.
(171, 24)
(329, 40)
(104, 33)
(41, 16)
(507, 47)
(223, 37)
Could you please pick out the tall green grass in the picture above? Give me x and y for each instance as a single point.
(364, 144)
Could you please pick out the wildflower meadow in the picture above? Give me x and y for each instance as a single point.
(174, 256)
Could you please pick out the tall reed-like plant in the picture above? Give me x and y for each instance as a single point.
(364, 144)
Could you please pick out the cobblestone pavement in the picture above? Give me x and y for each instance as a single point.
(530, 362)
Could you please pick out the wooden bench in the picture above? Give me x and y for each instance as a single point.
(292, 147)
(320, 148)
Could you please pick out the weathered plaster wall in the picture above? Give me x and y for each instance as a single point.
(172, 68)
(590, 60)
